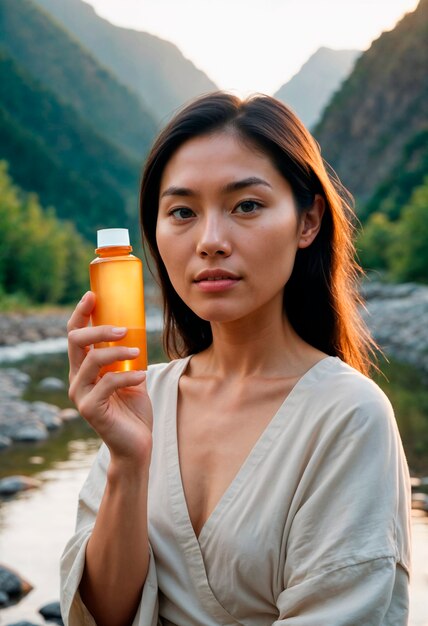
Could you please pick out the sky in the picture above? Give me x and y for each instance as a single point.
(248, 46)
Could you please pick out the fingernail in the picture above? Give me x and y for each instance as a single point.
(134, 351)
(118, 330)
(84, 297)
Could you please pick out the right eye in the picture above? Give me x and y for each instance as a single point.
(183, 213)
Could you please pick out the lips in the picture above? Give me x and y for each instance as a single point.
(215, 275)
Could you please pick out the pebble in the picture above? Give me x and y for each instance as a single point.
(51, 384)
(12, 585)
(21, 420)
(67, 415)
(52, 612)
(23, 624)
(13, 484)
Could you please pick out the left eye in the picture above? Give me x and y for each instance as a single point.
(247, 206)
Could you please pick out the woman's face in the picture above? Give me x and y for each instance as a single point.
(227, 228)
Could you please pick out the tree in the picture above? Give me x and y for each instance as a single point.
(408, 255)
(374, 241)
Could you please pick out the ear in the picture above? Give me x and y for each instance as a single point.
(311, 222)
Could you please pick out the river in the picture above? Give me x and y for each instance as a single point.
(36, 524)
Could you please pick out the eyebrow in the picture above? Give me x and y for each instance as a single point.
(230, 187)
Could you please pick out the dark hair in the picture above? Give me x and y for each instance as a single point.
(321, 297)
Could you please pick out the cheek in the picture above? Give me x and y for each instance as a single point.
(276, 248)
(172, 257)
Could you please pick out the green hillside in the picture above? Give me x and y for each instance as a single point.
(54, 153)
(42, 259)
(153, 67)
(45, 49)
(380, 112)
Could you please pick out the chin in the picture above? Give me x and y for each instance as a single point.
(219, 314)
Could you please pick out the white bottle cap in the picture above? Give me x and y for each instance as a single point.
(112, 237)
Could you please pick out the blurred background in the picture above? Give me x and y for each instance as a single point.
(84, 88)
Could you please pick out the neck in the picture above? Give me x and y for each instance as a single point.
(266, 346)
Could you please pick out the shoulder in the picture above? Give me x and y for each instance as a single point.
(350, 388)
(160, 374)
(345, 397)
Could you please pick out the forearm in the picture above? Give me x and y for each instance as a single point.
(117, 554)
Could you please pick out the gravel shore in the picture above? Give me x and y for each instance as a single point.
(18, 328)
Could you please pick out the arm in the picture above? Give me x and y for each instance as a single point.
(74, 561)
(117, 554)
(111, 547)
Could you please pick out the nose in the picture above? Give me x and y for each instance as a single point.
(214, 238)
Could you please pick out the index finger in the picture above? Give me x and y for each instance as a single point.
(82, 313)
(80, 319)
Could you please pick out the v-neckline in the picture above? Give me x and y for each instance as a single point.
(252, 457)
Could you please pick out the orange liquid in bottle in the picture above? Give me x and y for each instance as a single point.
(117, 281)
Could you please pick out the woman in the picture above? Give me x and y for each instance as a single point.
(268, 485)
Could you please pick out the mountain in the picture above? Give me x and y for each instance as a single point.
(374, 130)
(309, 91)
(150, 66)
(53, 152)
(45, 50)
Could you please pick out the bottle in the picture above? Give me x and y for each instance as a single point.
(116, 278)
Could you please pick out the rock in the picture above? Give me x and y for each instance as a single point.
(28, 421)
(51, 384)
(23, 624)
(13, 484)
(397, 316)
(18, 327)
(420, 501)
(67, 415)
(4, 598)
(48, 414)
(12, 383)
(31, 432)
(31, 334)
(5, 442)
(36, 460)
(12, 584)
(52, 612)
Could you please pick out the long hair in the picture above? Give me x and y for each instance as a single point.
(321, 296)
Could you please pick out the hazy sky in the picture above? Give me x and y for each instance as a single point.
(256, 45)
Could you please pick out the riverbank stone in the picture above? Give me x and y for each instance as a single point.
(23, 624)
(5, 442)
(12, 484)
(31, 432)
(48, 414)
(27, 421)
(20, 327)
(51, 384)
(67, 415)
(13, 585)
(52, 613)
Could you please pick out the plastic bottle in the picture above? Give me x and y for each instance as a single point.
(116, 278)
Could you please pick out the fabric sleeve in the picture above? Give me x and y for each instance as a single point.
(74, 612)
(374, 593)
(347, 553)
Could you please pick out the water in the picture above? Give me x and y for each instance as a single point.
(35, 525)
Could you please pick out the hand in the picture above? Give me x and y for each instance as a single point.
(116, 405)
